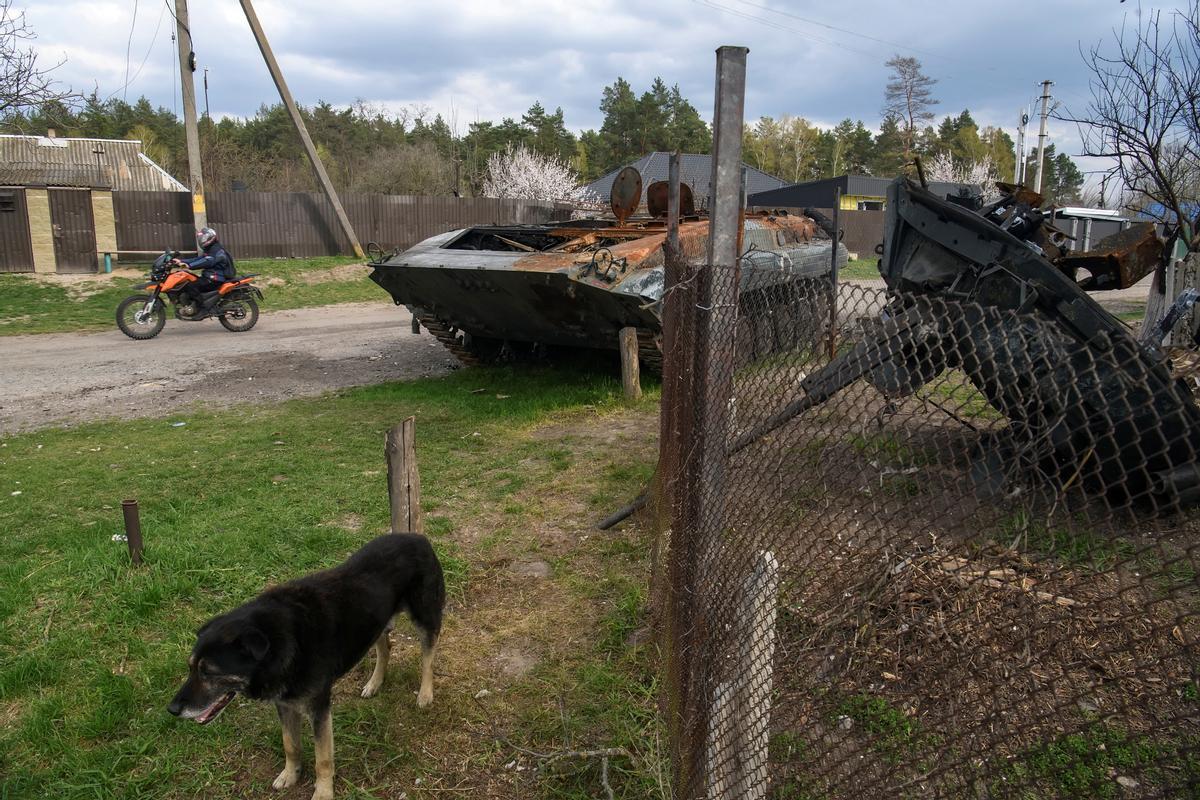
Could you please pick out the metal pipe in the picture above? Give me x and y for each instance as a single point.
(673, 201)
(133, 530)
(833, 272)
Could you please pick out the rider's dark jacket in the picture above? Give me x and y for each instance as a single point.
(216, 263)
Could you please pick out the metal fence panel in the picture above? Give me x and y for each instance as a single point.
(959, 562)
(303, 224)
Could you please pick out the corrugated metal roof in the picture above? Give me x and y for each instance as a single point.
(821, 193)
(694, 169)
(110, 163)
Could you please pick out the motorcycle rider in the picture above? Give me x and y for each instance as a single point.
(216, 267)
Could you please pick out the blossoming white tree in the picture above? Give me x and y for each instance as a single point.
(518, 172)
(982, 174)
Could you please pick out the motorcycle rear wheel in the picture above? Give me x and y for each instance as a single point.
(239, 315)
(133, 324)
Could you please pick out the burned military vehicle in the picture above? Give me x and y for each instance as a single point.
(992, 291)
(493, 290)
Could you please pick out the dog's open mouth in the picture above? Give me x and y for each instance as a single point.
(212, 712)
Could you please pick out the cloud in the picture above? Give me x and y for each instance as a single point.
(486, 59)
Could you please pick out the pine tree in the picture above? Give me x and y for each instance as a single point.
(887, 157)
(909, 98)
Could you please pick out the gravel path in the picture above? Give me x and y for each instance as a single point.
(68, 378)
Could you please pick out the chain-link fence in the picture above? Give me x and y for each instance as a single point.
(919, 548)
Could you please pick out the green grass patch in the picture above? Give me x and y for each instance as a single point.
(609, 698)
(858, 269)
(888, 448)
(954, 391)
(1074, 543)
(92, 649)
(893, 734)
(32, 305)
(1086, 764)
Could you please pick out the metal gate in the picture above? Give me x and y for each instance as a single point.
(16, 249)
(74, 230)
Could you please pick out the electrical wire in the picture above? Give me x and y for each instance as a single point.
(129, 81)
(839, 30)
(128, 45)
(171, 11)
(174, 92)
(779, 26)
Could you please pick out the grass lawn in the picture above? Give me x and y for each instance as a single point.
(858, 269)
(516, 466)
(29, 304)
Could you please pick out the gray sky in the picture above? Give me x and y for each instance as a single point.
(485, 59)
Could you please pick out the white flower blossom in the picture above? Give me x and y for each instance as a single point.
(520, 173)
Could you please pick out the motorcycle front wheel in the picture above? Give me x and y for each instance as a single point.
(136, 322)
(239, 314)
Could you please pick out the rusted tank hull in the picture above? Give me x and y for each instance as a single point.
(573, 285)
(547, 307)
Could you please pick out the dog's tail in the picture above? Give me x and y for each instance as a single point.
(427, 594)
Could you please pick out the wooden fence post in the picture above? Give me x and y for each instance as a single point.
(404, 482)
(631, 377)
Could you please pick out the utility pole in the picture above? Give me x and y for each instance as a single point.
(1037, 176)
(187, 66)
(309, 149)
(206, 94)
(1019, 167)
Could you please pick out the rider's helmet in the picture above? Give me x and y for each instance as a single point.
(205, 237)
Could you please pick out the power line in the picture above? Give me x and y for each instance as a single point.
(779, 26)
(149, 49)
(839, 30)
(174, 93)
(128, 45)
(171, 11)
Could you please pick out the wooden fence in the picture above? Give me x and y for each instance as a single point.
(301, 224)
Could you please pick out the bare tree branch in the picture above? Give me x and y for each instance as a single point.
(23, 83)
(1144, 114)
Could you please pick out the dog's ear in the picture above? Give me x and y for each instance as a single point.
(254, 642)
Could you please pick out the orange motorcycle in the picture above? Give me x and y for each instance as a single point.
(142, 316)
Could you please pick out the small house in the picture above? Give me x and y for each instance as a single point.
(56, 199)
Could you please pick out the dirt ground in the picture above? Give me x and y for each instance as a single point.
(69, 378)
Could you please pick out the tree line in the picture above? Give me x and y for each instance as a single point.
(368, 149)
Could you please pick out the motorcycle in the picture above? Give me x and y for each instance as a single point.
(142, 316)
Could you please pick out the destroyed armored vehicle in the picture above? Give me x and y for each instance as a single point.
(493, 290)
(991, 291)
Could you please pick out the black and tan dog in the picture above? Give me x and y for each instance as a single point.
(291, 643)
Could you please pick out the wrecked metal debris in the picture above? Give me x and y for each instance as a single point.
(494, 289)
(1024, 332)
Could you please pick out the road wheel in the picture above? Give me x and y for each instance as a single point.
(135, 322)
(239, 315)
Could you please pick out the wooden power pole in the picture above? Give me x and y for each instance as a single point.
(187, 66)
(309, 149)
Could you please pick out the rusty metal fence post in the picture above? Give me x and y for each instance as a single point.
(698, 529)
(133, 530)
(833, 272)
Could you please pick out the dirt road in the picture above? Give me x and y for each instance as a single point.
(72, 377)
